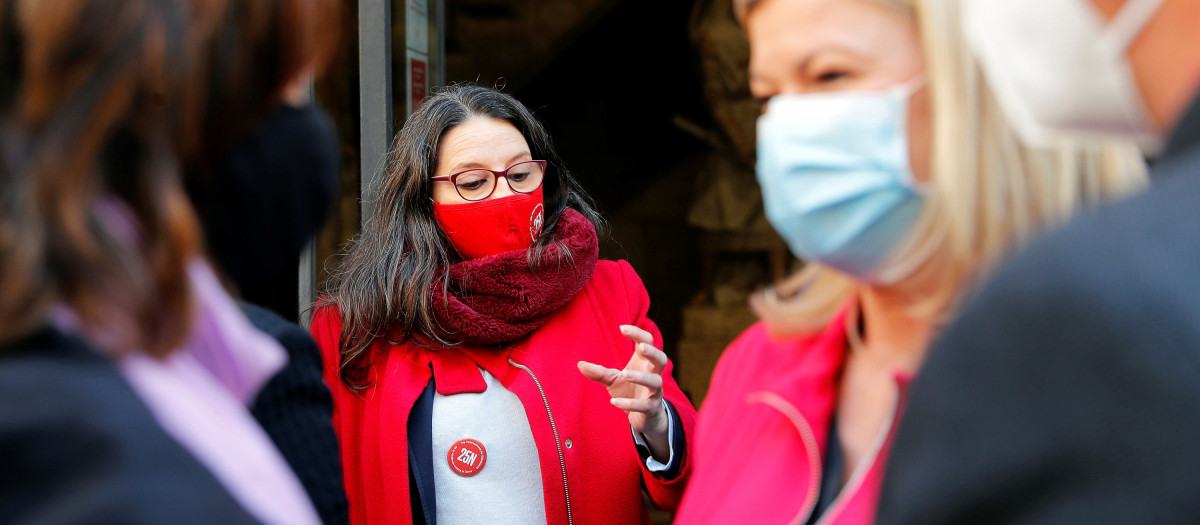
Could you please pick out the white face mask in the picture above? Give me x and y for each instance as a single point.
(1059, 70)
(836, 181)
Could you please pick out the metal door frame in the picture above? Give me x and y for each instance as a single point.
(376, 113)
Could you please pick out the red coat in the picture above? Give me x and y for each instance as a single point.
(772, 401)
(586, 450)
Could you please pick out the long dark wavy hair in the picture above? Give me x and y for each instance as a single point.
(383, 285)
(93, 216)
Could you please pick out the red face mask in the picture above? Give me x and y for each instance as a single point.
(479, 229)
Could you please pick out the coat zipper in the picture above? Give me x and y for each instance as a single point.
(807, 438)
(860, 471)
(562, 460)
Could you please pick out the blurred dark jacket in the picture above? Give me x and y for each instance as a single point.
(266, 198)
(296, 410)
(263, 201)
(1069, 389)
(92, 452)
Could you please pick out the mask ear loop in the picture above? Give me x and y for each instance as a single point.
(1128, 24)
(888, 271)
(903, 94)
(910, 88)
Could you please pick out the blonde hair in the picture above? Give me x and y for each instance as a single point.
(988, 193)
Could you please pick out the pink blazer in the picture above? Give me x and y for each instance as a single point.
(763, 433)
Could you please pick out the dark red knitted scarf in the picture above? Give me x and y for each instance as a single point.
(501, 298)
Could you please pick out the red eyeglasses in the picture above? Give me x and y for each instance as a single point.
(477, 184)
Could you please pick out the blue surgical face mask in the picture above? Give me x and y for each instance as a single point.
(836, 181)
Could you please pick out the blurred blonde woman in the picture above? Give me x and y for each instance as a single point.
(886, 164)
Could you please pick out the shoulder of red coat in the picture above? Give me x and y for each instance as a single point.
(610, 268)
(326, 312)
(619, 271)
(617, 276)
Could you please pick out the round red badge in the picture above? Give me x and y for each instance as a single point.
(467, 457)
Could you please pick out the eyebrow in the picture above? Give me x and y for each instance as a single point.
(471, 165)
(802, 64)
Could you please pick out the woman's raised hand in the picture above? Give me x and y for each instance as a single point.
(638, 389)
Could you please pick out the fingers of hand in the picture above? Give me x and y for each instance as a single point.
(645, 406)
(607, 376)
(652, 381)
(637, 335)
(657, 358)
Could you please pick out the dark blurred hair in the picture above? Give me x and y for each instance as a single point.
(384, 283)
(92, 214)
(252, 50)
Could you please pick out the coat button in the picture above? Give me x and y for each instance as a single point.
(570, 444)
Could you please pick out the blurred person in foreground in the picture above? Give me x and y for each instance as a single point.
(125, 367)
(486, 365)
(888, 167)
(261, 169)
(1069, 389)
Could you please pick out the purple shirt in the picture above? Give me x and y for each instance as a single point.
(200, 393)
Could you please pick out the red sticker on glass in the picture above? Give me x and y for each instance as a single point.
(467, 457)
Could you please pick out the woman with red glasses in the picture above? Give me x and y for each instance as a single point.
(485, 366)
